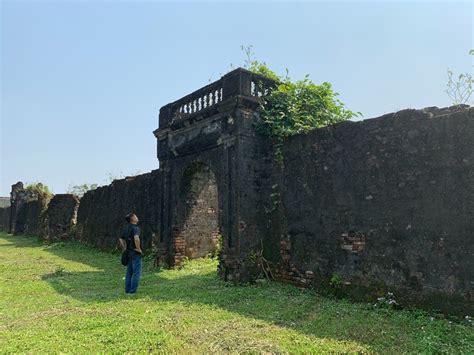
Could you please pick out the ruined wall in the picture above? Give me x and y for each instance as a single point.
(30, 217)
(28, 209)
(5, 212)
(367, 207)
(15, 204)
(5, 219)
(383, 204)
(100, 217)
(4, 202)
(61, 217)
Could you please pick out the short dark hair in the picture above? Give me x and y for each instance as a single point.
(129, 216)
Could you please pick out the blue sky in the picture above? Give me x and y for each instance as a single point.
(82, 82)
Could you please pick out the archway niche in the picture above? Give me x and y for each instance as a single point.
(199, 233)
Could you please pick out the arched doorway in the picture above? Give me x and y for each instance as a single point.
(199, 233)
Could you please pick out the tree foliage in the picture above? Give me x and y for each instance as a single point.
(298, 107)
(39, 188)
(295, 107)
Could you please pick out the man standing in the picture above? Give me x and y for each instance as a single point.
(130, 241)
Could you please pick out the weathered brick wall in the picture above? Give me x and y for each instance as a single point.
(5, 212)
(30, 217)
(5, 219)
(100, 217)
(200, 231)
(28, 209)
(4, 202)
(61, 217)
(16, 202)
(385, 204)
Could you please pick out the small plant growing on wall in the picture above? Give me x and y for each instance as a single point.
(460, 88)
(335, 281)
(387, 301)
(80, 190)
(261, 264)
(218, 247)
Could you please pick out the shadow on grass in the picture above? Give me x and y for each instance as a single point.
(284, 305)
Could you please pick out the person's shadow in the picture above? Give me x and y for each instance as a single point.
(268, 301)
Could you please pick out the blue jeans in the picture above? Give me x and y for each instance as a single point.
(132, 277)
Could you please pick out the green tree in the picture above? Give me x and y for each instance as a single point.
(39, 188)
(294, 107)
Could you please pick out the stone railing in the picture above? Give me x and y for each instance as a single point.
(239, 82)
(205, 97)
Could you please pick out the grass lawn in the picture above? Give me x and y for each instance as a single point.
(69, 298)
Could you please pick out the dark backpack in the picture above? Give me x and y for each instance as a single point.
(124, 259)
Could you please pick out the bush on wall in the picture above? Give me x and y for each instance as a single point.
(295, 107)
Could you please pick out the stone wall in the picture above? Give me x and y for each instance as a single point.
(30, 218)
(28, 209)
(61, 217)
(4, 202)
(385, 204)
(101, 213)
(5, 219)
(361, 208)
(15, 204)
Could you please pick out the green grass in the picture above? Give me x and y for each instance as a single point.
(69, 298)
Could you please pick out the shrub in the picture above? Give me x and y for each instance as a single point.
(39, 188)
(292, 108)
